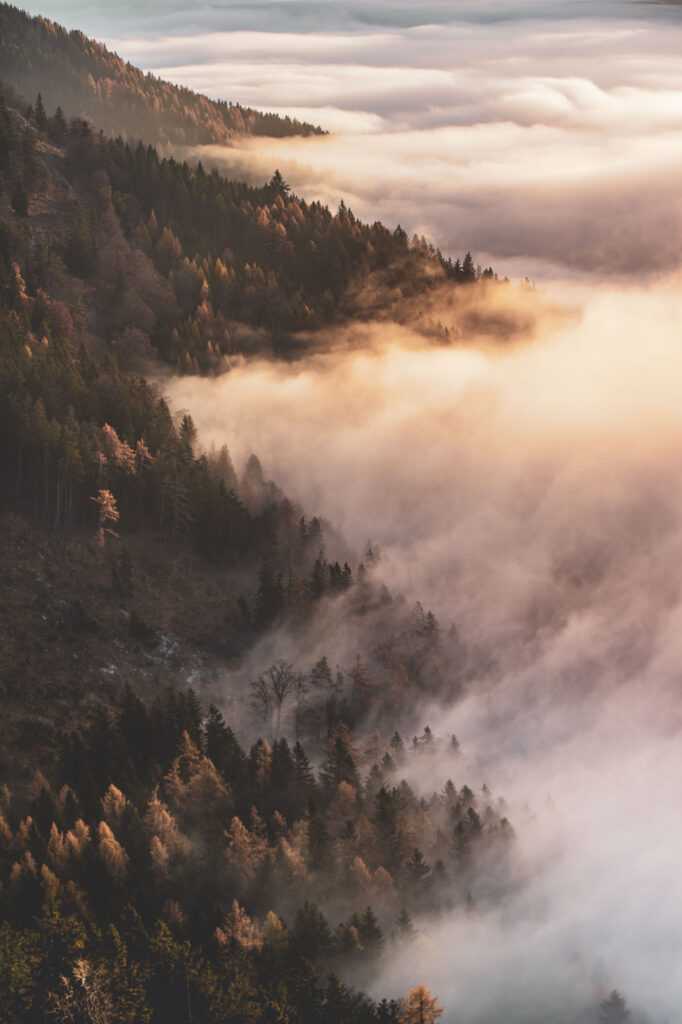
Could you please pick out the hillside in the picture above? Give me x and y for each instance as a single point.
(83, 78)
(197, 824)
(110, 260)
(168, 260)
(148, 858)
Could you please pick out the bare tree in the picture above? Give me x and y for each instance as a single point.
(272, 690)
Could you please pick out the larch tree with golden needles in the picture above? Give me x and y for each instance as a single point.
(107, 514)
(420, 1007)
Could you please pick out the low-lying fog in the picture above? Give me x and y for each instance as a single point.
(533, 496)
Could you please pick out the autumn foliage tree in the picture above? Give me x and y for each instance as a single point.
(419, 1007)
(107, 514)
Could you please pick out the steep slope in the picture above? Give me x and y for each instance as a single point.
(87, 450)
(169, 259)
(86, 80)
(153, 870)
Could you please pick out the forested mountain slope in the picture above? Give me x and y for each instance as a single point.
(90, 285)
(173, 867)
(86, 80)
(168, 259)
(132, 556)
(157, 862)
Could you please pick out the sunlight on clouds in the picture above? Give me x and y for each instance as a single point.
(335, 120)
(546, 144)
(532, 493)
(587, 200)
(604, 388)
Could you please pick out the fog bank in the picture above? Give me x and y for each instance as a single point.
(530, 495)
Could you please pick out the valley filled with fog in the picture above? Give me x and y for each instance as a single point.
(527, 490)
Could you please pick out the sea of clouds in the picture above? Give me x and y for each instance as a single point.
(546, 138)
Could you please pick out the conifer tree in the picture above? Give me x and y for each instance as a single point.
(340, 763)
(270, 593)
(311, 934)
(321, 674)
(404, 931)
(614, 1010)
(222, 746)
(39, 114)
(419, 1007)
(279, 186)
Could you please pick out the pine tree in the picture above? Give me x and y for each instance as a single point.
(303, 772)
(79, 251)
(279, 186)
(319, 580)
(431, 626)
(296, 592)
(283, 769)
(188, 436)
(320, 846)
(614, 1010)
(58, 128)
(311, 934)
(222, 747)
(397, 748)
(404, 931)
(224, 469)
(338, 1006)
(468, 268)
(462, 846)
(270, 593)
(370, 933)
(417, 874)
(39, 114)
(340, 763)
(321, 675)
(388, 1012)
(177, 506)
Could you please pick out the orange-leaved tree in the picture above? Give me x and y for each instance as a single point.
(419, 1007)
